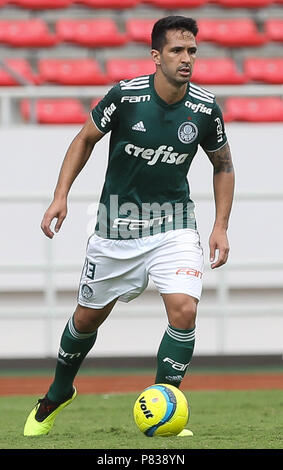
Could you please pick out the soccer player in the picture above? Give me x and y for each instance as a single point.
(145, 223)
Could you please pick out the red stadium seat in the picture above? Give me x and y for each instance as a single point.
(3, 2)
(114, 4)
(139, 30)
(123, 69)
(55, 111)
(41, 4)
(274, 30)
(254, 109)
(231, 32)
(21, 69)
(91, 33)
(173, 4)
(264, 70)
(243, 3)
(217, 71)
(26, 33)
(4, 27)
(71, 72)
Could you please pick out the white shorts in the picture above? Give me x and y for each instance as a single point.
(121, 268)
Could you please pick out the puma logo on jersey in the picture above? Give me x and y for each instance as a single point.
(163, 153)
(139, 126)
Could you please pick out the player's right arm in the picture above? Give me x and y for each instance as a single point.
(75, 159)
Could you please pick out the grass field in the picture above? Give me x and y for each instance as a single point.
(219, 420)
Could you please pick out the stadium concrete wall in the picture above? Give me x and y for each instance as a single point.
(31, 157)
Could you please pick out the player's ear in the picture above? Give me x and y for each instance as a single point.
(155, 56)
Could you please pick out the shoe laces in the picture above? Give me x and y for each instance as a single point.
(44, 408)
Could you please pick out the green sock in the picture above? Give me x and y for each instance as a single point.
(74, 347)
(174, 355)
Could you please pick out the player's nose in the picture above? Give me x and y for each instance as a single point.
(186, 58)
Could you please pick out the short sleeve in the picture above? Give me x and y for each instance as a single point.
(105, 114)
(216, 136)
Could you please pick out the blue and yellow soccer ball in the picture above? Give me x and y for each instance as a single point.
(161, 410)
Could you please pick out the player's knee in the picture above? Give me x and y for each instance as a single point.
(85, 319)
(184, 315)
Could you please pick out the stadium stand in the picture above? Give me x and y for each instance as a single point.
(243, 3)
(264, 70)
(231, 32)
(217, 71)
(91, 33)
(173, 4)
(26, 33)
(15, 72)
(115, 4)
(274, 30)
(254, 109)
(99, 42)
(54, 111)
(41, 4)
(139, 29)
(71, 72)
(120, 69)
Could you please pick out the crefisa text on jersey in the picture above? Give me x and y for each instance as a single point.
(200, 107)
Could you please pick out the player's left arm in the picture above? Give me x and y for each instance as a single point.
(223, 185)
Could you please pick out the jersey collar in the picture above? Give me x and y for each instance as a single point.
(159, 100)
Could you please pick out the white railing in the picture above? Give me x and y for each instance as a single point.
(9, 95)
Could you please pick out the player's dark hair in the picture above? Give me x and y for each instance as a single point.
(158, 35)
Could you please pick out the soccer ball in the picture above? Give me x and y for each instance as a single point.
(161, 410)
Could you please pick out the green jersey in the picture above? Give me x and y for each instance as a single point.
(152, 145)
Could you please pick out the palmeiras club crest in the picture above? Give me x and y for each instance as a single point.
(187, 132)
(86, 291)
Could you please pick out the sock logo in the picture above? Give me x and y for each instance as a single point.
(176, 365)
(174, 378)
(66, 355)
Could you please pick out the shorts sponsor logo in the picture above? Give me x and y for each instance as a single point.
(107, 113)
(86, 291)
(163, 153)
(187, 132)
(198, 108)
(189, 272)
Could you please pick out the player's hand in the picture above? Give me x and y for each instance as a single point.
(57, 210)
(219, 247)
